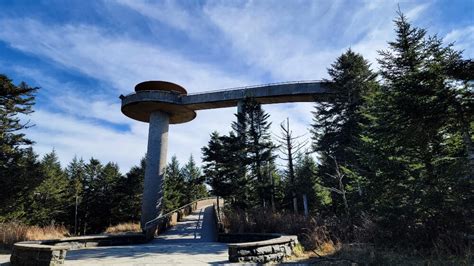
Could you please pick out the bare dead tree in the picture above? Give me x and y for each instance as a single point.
(290, 147)
(339, 176)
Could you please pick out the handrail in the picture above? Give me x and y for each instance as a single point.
(238, 88)
(257, 86)
(155, 220)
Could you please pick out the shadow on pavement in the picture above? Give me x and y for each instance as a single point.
(193, 236)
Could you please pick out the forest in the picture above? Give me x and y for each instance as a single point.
(390, 159)
(394, 158)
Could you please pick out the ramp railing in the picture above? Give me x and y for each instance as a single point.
(165, 221)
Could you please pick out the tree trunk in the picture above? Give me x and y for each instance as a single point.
(295, 203)
(305, 205)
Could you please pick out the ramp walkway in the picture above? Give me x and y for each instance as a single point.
(190, 242)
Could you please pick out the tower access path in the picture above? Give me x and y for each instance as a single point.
(190, 242)
(161, 103)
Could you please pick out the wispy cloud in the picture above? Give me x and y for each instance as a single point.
(200, 45)
(114, 59)
(463, 40)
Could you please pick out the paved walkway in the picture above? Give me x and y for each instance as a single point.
(190, 242)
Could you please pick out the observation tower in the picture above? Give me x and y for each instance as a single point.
(161, 103)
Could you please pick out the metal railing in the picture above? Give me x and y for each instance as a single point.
(153, 222)
(257, 86)
(238, 88)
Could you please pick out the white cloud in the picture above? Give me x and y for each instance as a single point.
(414, 13)
(114, 59)
(71, 136)
(280, 40)
(167, 12)
(296, 42)
(463, 40)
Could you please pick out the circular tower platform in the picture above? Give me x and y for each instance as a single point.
(140, 105)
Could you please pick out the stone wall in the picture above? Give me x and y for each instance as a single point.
(53, 252)
(37, 254)
(273, 250)
(255, 247)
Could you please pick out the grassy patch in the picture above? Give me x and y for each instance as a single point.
(362, 254)
(124, 228)
(13, 232)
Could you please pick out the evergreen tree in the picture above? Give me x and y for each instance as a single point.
(104, 196)
(49, 200)
(19, 169)
(128, 195)
(412, 147)
(224, 177)
(307, 183)
(237, 165)
(336, 124)
(75, 172)
(14, 102)
(17, 188)
(174, 187)
(195, 188)
(93, 170)
(259, 149)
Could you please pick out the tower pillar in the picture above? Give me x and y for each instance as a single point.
(155, 167)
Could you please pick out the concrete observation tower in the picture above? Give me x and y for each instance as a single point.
(161, 103)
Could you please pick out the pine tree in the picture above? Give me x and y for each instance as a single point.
(194, 182)
(104, 196)
(26, 175)
(307, 183)
(49, 200)
(223, 170)
(75, 172)
(336, 124)
(174, 186)
(238, 165)
(259, 150)
(19, 169)
(93, 170)
(128, 194)
(14, 102)
(411, 146)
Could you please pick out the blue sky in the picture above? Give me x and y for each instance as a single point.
(84, 54)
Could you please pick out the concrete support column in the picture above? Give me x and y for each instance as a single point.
(240, 106)
(155, 166)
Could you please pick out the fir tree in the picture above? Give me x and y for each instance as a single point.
(19, 169)
(336, 124)
(128, 194)
(174, 186)
(50, 199)
(75, 172)
(259, 149)
(412, 148)
(195, 188)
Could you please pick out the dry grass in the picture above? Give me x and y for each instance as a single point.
(124, 228)
(13, 232)
(313, 236)
(325, 242)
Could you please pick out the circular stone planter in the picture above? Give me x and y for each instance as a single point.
(53, 252)
(263, 248)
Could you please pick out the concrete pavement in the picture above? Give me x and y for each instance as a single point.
(190, 242)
